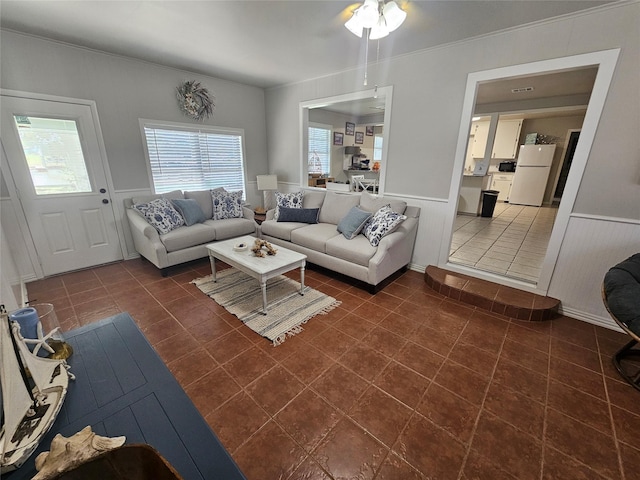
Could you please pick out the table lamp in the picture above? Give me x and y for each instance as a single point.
(267, 184)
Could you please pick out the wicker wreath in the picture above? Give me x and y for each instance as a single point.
(259, 244)
(195, 101)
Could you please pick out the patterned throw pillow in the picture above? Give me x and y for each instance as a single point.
(226, 204)
(383, 222)
(289, 200)
(160, 214)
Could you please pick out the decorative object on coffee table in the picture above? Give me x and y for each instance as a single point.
(258, 246)
(194, 100)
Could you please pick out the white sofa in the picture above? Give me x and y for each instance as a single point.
(184, 244)
(357, 258)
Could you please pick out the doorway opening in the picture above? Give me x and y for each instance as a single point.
(602, 64)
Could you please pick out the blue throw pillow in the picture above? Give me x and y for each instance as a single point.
(300, 215)
(353, 222)
(190, 210)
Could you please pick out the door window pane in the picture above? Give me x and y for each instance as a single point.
(54, 155)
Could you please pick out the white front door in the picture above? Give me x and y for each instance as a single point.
(54, 154)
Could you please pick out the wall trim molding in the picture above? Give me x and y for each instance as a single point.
(589, 318)
(602, 218)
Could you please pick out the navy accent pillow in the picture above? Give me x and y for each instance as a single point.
(190, 210)
(353, 223)
(300, 215)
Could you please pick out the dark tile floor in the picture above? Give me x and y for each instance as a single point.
(406, 384)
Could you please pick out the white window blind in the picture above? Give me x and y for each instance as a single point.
(377, 148)
(319, 149)
(195, 158)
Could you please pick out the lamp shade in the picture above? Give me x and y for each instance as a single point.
(267, 182)
(393, 14)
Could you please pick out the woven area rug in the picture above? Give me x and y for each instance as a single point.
(287, 310)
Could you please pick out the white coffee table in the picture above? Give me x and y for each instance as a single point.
(260, 268)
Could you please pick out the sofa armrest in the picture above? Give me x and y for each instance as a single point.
(147, 240)
(270, 214)
(394, 251)
(248, 213)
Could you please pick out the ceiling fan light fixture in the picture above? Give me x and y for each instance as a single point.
(379, 30)
(378, 17)
(393, 15)
(369, 13)
(354, 25)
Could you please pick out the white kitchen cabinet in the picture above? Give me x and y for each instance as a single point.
(505, 145)
(502, 183)
(480, 132)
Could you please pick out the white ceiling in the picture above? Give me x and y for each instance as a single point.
(264, 43)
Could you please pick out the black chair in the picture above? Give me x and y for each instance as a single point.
(621, 297)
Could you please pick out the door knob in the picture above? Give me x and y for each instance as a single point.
(102, 190)
(105, 201)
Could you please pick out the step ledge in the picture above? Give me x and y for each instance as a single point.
(492, 297)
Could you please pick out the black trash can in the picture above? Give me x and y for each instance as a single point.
(489, 199)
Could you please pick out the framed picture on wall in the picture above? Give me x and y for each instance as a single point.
(359, 137)
(369, 130)
(349, 128)
(338, 137)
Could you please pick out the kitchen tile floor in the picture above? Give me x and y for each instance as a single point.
(512, 243)
(404, 384)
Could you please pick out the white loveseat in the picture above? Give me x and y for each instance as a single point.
(184, 243)
(325, 246)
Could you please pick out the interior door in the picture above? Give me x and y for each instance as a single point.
(56, 163)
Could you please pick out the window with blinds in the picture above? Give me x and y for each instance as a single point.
(187, 158)
(377, 148)
(319, 149)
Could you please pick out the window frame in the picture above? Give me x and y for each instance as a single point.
(188, 127)
(330, 129)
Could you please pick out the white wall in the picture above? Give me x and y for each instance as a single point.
(428, 93)
(124, 91)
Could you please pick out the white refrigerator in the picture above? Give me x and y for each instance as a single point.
(532, 172)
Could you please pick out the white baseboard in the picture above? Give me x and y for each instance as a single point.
(589, 318)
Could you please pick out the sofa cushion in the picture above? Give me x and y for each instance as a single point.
(314, 236)
(358, 250)
(353, 222)
(373, 203)
(185, 237)
(232, 227)
(289, 200)
(281, 230)
(313, 198)
(226, 204)
(301, 215)
(383, 222)
(190, 210)
(160, 214)
(336, 205)
(147, 198)
(204, 199)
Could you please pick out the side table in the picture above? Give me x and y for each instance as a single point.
(260, 217)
